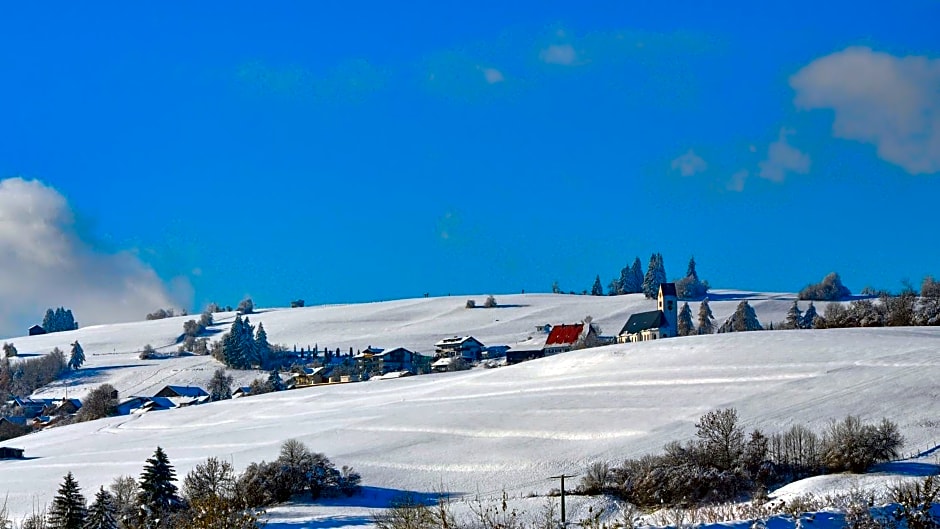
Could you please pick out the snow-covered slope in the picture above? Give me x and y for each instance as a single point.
(112, 350)
(491, 429)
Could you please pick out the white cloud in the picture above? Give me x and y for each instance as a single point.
(887, 101)
(783, 158)
(492, 75)
(563, 54)
(738, 179)
(689, 164)
(46, 264)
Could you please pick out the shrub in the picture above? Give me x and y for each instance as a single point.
(829, 289)
(471, 304)
(160, 314)
(148, 352)
(850, 445)
(490, 302)
(246, 306)
(9, 350)
(100, 402)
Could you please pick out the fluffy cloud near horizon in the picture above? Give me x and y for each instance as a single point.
(783, 158)
(877, 98)
(689, 164)
(563, 54)
(46, 264)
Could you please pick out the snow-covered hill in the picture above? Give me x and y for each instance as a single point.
(486, 430)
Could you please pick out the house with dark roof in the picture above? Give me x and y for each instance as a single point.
(36, 330)
(466, 347)
(182, 391)
(654, 324)
(8, 452)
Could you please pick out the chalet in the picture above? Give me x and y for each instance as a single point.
(466, 347)
(66, 407)
(191, 392)
(7, 452)
(442, 365)
(243, 391)
(565, 337)
(654, 324)
(18, 422)
(36, 330)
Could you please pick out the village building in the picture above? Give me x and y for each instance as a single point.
(36, 330)
(181, 391)
(7, 452)
(654, 324)
(466, 347)
(565, 337)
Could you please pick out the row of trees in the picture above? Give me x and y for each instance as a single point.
(242, 347)
(59, 320)
(632, 280)
(213, 496)
(723, 462)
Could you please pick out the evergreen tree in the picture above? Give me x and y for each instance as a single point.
(794, 317)
(48, 321)
(262, 347)
(78, 356)
(685, 325)
(68, 506)
(690, 271)
(274, 380)
(690, 286)
(9, 350)
(636, 283)
(655, 276)
(158, 495)
(744, 319)
(809, 317)
(102, 513)
(238, 346)
(596, 288)
(706, 324)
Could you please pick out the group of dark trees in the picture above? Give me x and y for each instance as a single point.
(706, 320)
(632, 280)
(723, 462)
(213, 496)
(242, 347)
(58, 320)
(829, 289)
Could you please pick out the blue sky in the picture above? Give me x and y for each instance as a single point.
(353, 151)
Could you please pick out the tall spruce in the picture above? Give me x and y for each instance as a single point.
(808, 321)
(794, 317)
(274, 380)
(655, 276)
(77, 357)
(158, 495)
(706, 320)
(220, 386)
(68, 506)
(596, 288)
(262, 347)
(744, 319)
(102, 513)
(685, 325)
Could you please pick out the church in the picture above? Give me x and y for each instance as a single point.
(654, 324)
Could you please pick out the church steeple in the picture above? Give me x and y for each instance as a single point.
(668, 302)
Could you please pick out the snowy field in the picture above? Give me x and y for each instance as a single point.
(487, 430)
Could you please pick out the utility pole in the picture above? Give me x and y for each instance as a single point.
(562, 478)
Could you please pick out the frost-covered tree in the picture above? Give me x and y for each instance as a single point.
(262, 347)
(829, 289)
(9, 350)
(246, 306)
(68, 506)
(157, 496)
(214, 477)
(102, 513)
(77, 358)
(744, 319)
(59, 320)
(596, 288)
(808, 320)
(489, 302)
(794, 317)
(685, 325)
(930, 288)
(631, 278)
(655, 276)
(220, 385)
(238, 345)
(706, 320)
(99, 402)
(690, 286)
(275, 381)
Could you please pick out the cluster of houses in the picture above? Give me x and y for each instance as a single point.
(36, 413)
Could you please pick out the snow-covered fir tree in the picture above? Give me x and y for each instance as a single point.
(706, 320)
(158, 494)
(684, 323)
(262, 347)
(631, 278)
(102, 513)
(77, 358)
(9, 350)
(596, 288)
(690, 286)
(808, 320)
(68, 506)
(274, 380)
(58, 320)
(238, 345)
(655, 276)
(794, 317)
(744, 319)
(220, 386)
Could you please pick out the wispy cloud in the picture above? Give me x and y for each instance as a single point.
(738, 179)
(46, 264)
(877, 98)
(492, 75)
(563, 54)
(689, 164)
(783, 158)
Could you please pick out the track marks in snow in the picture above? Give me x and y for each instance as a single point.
(485, 433)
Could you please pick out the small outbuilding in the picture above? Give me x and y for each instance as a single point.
(36, 330)
(7, 452)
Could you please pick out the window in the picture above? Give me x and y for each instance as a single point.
(669, 305)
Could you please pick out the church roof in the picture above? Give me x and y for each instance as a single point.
(642, 321)
(669, 289)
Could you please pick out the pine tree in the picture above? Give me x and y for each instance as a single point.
(637, 280)
(78, 356)
(262, 347)
(744, 319)
(808, 320)
(68, 506)
(794, 317)
(690, 272)
(102, 513)
(158, 495)
(655, 276)
(220, 386)
(596, 288)
(274, 380)
(685, 325)
(706, 324)
(48, 321)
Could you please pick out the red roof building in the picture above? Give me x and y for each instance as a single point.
(564, 334)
